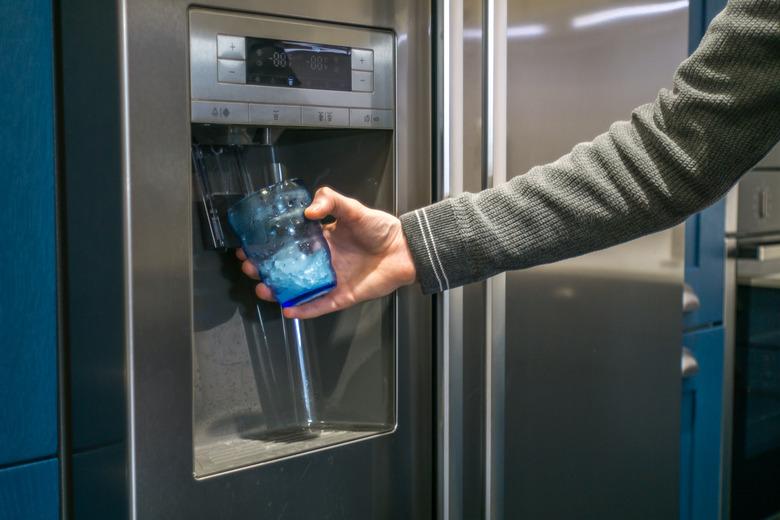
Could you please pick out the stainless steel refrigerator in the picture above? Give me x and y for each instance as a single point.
(547, 393)
(559, 386)
(189, 397)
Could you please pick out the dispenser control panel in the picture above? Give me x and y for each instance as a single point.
(259, 70)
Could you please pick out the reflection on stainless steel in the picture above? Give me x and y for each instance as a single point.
(626, 12)
(449, 355)
(496, 161)
(593, 343)
(468, 498)
(729, 322)
(518, 32)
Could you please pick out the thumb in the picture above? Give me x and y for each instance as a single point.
(330, 202)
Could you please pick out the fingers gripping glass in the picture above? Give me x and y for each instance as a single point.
(288, 250)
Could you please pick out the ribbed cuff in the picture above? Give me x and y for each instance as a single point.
(436, 242)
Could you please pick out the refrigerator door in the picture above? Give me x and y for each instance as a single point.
(461, 312)
(593, 343)
(143, 298)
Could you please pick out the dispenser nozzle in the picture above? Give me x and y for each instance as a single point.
(276, 166)
(267, 137)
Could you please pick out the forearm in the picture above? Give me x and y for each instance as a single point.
(673, 158)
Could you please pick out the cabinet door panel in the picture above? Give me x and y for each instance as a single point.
(704, 264)
(701, 432)
(28, 346)
(704, 232)
(30, 491)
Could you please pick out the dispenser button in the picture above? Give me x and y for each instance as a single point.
(362, 59)
(362, 81)
(274, 115)
(369, 118)
(231, 71)
(325, 116)
(212, 112)
(231, 47)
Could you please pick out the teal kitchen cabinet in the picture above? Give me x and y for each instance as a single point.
(30, 491)
(28, 299)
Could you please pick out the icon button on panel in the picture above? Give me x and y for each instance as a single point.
(325, 116)
(231, 71)
(362, 81)
(274, 115)
(215, 112)
(231, 47)
(362, 59)
(370, 118)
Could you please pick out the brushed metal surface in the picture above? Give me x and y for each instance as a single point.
(496, 116)
(472, 488)
(221, 112)
(593, 343)
(449, 351)
(729, 351)
(758, 207)
(231, 47)
(325, 116)
(94, 257)
(370, 118)
(231, 71)
(358, 480)
(772, 160)
(149, 286)
(362, 59)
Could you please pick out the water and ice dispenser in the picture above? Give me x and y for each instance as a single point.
(274, 98)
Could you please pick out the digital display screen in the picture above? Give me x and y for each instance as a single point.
(283, 63)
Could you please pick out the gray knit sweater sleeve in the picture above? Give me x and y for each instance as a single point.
(673, 158)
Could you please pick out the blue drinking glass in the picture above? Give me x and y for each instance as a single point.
(287, 249)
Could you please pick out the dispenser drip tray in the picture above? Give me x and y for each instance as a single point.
(232, 453)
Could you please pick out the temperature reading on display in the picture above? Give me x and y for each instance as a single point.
(318, 63)
(279, 59)
(283, 63)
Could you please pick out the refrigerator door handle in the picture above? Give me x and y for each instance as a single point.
(688, 364)
(450, 342)
(456, 132)
(496, 83)
(690, 300)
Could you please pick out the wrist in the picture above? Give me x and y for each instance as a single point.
(407, 270)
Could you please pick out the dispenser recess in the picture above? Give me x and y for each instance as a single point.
(275, 98)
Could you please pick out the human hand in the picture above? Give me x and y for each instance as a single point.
(369, 252)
